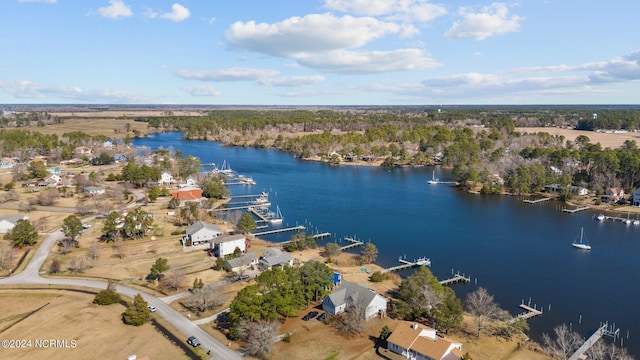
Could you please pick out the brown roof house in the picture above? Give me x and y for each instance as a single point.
(415, 341)
(187, 194)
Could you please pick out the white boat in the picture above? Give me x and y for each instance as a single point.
(434, 179)
(277, 219)
(262, 199)
(582, 243)
(636, 222)
(601, 217)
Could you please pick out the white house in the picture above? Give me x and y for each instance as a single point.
(612, 195)
(273, 257)
(188, 183)
(7, 222)
(226, 244)
(94, 190)
(200, 233)
(349, 293)
(166, 178)
(415, 341)
(7, 163)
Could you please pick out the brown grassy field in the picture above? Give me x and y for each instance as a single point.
(69, 315)
(609, 140)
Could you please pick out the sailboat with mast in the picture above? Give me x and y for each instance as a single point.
(434, 179)
(581, 243)
(277, 219)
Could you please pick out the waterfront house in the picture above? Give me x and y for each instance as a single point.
(200, 233)
(225, 245)
(165, 179)
(416, 341)
(241, 263)
(636, 197)
(7, 222)
(347, 294)
(272, 258)
(188, 183)
(187, 194)
(612, 195)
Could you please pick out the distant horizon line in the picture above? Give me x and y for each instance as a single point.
(296, 106)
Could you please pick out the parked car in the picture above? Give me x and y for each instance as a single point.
(152, 308)
(86, 226)
(322, 317)
(310, 315)
(193, 341)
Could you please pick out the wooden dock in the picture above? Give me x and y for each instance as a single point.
(575, 210)
(455, 279)
(277, 231)
(247, 207)
(536, 201)
(603, 330)
(423, 261)
(353, 243)
(321, 235)
(626, 220)
(527, 314)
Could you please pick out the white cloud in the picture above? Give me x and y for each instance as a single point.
(231, 74)
(116, 9)
(367, 62)
(292, 81)
(44, 1)
(206, 90)
(314, 33)
(490, 21)
(178, 13)
(29, 90)
(405, 10)
(150, 14)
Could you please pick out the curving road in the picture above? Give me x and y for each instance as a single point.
(31, 275)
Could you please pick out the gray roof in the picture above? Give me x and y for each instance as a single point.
(13, 218)
(225, 238)
(273, 257)
(348, 292)
(199, 225)
(243, 260)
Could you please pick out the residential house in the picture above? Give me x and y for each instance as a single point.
(347, 294)
(416, 341)
(188, 183)
(7, 222)
(226, 244)
(166, 179)
(272, 258)
(576, 190)
(241, 263)
(200, 233)
(118, 158)
(612, 195)
(94, 190)
(53, 180)
(108, 144)
(636, 197)
(81, 151)
(188, 194)
(7, 163)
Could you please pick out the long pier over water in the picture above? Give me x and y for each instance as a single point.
(423, 261)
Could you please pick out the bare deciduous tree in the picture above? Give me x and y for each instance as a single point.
(481, 306)
(118, 248)
(563, 345)
(49, 197)
(204, 299)
(352, 321)
(94, 250)
(78, 264)
(607, 351)
(7, 255)
(260, 336)
(54, 268)
(174, 280)
(84, 207)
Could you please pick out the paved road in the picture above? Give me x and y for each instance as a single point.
(31, 275)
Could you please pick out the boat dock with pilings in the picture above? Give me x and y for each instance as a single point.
(423, 261)
(575, 210)
(353, 243)
(277, 231)
(455, 279)
(603, 330)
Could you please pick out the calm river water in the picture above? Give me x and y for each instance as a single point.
(515, 250)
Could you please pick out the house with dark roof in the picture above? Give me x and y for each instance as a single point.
(272, 258)
(347, 294)
(416, 341)
(200, 233)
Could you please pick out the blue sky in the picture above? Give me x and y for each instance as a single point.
(319, 52)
